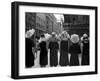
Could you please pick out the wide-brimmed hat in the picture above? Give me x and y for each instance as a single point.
(29, 33)
(85, 35)
(64, 35)
(53, 34)
(74, 38)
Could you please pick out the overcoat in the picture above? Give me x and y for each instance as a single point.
(74, 50)
(29, 56)
(85, 53)
(43, 53)
(53, 46)
(64, 53)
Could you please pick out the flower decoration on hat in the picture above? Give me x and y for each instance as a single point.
(74, 38)
(29, 33)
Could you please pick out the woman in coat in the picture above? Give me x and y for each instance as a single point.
(43, 52)
(74, 50)
(64, 61)
(29, 44)
(85, 50)
(53, 46)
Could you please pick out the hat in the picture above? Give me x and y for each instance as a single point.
(53, 34)
(85, 35)
(74, 38)
(29, 33)
(65, 35)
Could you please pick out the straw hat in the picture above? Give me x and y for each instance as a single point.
(74, 38)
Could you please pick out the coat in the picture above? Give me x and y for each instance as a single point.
(74, 50)
(64, 53)
(85, 54)
(29, 56)
(43, 53)
(53, 46)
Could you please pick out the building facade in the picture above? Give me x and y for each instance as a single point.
(30, 21)
(76, 24)
(42, 23)
(51, 20)
(57, 28)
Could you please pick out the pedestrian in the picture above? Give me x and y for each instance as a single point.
(29, 45)
(43, 51)
(64, 61)
(53, 46)
(74, 50)
(85, 50)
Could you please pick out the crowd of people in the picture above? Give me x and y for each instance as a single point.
(71, 48)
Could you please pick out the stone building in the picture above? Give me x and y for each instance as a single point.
(42, 23)
(30, 20)
(57, 27)
(78, 24)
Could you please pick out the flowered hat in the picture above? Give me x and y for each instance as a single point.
(29, 33)
(53, 34)
(65, 35)
(74, 38)
(84, 36)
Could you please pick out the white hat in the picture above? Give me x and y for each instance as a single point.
(74, 38)
(47, 36)
(64, 35)
(29, 33)
(53, 33)
(85, 35)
